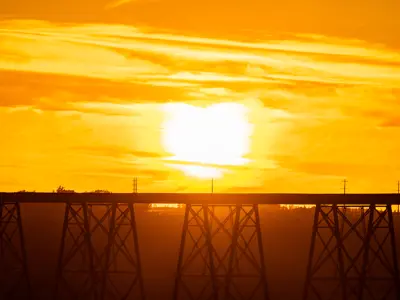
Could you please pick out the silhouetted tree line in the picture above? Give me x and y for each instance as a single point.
(62, 189)
(100, 192)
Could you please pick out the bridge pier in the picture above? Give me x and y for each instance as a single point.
(14, 276)
(99, 255)
(353, 254)
(221, 254)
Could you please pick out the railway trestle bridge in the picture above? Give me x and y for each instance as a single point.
(221, 253)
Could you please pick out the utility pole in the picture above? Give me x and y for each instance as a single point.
(212, 185)
(135, 185)
(344, 186)
(398, 187)
(398, 192)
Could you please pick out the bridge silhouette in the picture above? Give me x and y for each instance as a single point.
(221, 253)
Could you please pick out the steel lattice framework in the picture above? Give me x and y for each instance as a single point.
(353, 254)
(14, 276)
(221, 254)
(99, 255)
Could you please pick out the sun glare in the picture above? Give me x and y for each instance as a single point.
(204, 140)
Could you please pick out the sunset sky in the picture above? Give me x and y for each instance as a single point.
(263, 96)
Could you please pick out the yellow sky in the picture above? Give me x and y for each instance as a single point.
(292, 98)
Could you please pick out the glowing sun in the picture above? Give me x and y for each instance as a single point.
(202, 140)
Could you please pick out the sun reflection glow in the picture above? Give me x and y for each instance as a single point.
(212, 137)
(201, 172)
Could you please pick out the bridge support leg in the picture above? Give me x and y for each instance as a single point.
(353, 254)
(14, 276)
(221, 254)
(99, 254)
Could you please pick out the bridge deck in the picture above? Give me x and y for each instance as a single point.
(202, 198)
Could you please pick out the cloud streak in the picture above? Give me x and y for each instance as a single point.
(117, 3)
(291, 60)
(296, 73)
(126, 56)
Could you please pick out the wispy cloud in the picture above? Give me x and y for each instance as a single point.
(118, 64)
(116, 3)
(295, 73)
(294, 59)
(127, 56)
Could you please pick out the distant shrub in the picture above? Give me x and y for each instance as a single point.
(98, 192)
(102, 192)
(61, 189)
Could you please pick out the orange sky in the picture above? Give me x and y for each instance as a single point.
(293, 96)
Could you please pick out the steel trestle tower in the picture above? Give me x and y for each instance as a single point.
(99, 254)
(14, 276)
(353, 254)
(221, 254)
